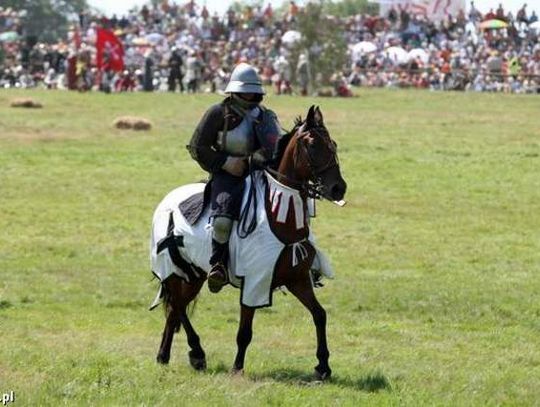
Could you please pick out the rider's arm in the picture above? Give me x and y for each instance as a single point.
(202, 146)
(268, 133)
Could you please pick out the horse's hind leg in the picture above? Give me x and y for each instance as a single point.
(303, 290)
(178, 295)
(197, 357)
(173, 306)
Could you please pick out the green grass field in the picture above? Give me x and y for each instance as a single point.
(437, 256)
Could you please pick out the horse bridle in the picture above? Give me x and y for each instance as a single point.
(313, 187)
(333, 162)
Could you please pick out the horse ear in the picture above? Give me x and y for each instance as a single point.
(318, 116)
(310, 119)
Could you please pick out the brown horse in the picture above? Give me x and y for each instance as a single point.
(307, 162)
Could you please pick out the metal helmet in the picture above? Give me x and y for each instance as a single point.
(244, 79)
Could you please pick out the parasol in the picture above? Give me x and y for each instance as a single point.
(290, 37)
(418, 53)
(493, 24)
(397, 54)
(363, 47)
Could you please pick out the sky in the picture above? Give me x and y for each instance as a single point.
(121, 6)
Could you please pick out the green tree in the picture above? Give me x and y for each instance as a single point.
(48, 20)
(323, 38)
(239, 6)
(344, 8)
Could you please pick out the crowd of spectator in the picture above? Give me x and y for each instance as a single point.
(455, 54)
(186, 48)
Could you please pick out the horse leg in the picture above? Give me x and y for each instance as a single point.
(197, 357)
(243, 337)
(303, 290)
(178, 295)
(173, 304)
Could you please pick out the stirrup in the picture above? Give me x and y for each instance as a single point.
(217, 278)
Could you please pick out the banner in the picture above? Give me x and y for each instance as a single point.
(433, 9)
(110, 52)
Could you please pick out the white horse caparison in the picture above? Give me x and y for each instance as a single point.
(308, 163)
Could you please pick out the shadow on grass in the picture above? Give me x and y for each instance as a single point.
(220, 368)
(371, 383)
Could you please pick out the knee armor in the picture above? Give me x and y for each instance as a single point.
(222, 229)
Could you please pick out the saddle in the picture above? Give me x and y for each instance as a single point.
(193, 207)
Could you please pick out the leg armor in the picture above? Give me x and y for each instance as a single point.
(220, 240)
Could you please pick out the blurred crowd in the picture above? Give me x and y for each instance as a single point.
(185, 48)
(495, 52)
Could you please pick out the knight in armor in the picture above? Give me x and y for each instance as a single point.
(232, 133)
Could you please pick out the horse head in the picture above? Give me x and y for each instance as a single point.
(310, 158)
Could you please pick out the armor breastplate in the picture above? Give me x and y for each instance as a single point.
(239, 141)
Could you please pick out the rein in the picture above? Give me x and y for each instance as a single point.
(312, 187)
(246, 227)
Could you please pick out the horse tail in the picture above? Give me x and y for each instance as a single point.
(168, 307)
(171, 299)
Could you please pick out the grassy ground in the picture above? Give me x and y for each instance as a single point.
(437, 256)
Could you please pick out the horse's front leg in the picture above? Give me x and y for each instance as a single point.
(243, 337)
(303, 290)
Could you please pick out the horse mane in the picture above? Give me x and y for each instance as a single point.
(283, 142)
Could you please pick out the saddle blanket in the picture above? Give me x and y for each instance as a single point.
(252, 259)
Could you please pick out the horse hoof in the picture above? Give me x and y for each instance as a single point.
(197, 363)
(322, 374)
(197, 360)
(162, 360)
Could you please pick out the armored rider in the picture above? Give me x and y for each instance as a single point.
(231, 133)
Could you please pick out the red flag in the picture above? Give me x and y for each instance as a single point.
(77, 38)
(110, 52)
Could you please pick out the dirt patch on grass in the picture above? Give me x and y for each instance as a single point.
(27, 103)
(132, 123)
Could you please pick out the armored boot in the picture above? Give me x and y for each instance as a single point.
(217, 278)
